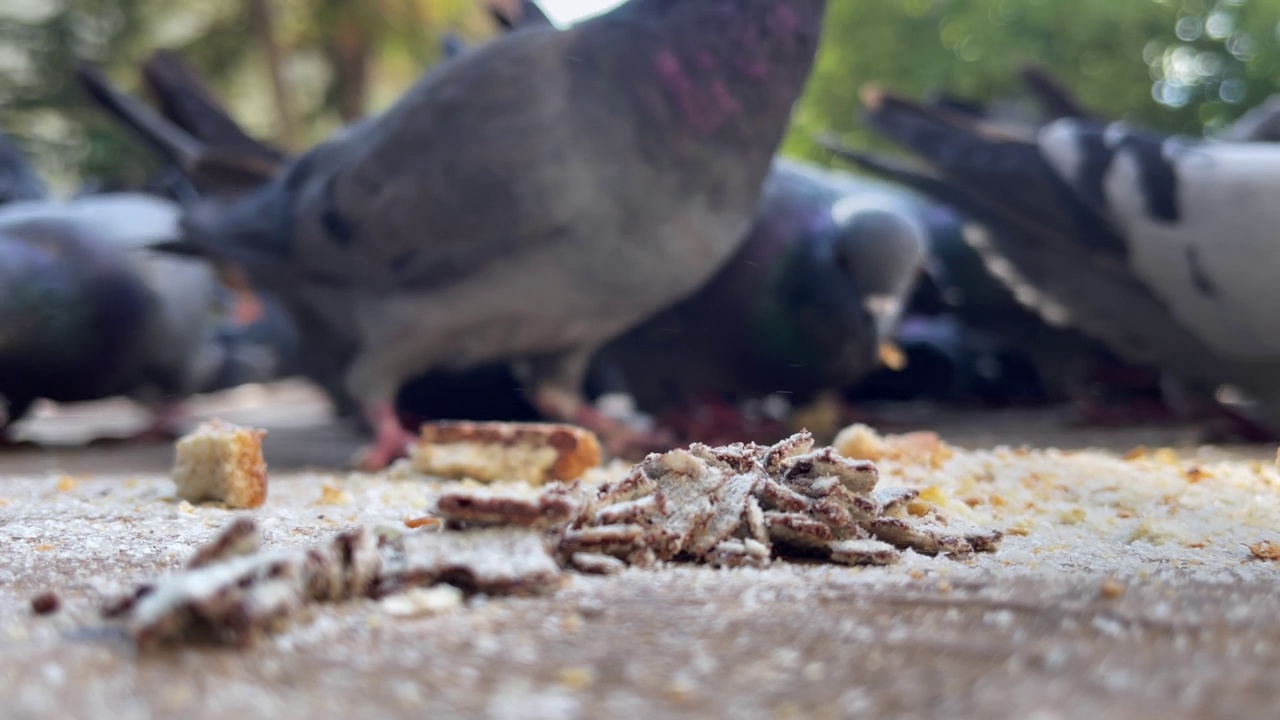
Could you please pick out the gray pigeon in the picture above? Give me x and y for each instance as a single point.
(90, 313)
(1155, 245)
(803, 306)
(18, 180)
(527, 201)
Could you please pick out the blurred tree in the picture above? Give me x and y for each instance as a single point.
(1176, 65)
(294, 70)
(302, 68)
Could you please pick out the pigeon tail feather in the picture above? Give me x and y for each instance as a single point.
(210, 169)
(185, 100)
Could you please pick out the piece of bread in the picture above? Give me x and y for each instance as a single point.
(533, 452)
(221, 462)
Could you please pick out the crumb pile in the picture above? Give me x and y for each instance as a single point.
(741, 504)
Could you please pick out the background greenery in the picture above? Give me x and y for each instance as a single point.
(295, 70)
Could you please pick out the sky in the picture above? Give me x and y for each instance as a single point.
(563, 12)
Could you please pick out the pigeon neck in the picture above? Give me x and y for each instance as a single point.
(717, 68)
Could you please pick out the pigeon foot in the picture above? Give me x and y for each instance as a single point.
(619, 439)
(391, 440)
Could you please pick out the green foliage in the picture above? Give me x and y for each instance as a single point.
(72, 141)
(1175, 65)
(1178, 65)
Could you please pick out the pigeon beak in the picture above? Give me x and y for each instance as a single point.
(884, 311)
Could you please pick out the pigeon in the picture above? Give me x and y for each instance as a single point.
(1153, 244)
(822, 274)
(90, 313)
(524, 202)
(1001, 333)
(182, 97)
(804, 306)
(18, 180)
(812, 323)
(452, 46)
(1260, 124)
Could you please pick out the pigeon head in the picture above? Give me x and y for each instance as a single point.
(836, 292)
(880, 252)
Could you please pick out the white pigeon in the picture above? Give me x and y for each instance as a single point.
(1162, 247)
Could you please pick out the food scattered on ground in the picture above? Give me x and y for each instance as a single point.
(741, 504)
(507, 503)
(1111, 589)
(737, 505)
(414, 523)
(860, 442)
(419, 602)
(1089, 506)
(1266, 550)
(236, 597)
(491, 451)
(221, 462)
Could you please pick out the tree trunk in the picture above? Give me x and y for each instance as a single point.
(287, 121)
(348, 50)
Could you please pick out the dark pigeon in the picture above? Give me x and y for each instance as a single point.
(526, 202)
(803, 307)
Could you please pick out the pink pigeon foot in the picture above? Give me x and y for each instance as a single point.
(391, 439)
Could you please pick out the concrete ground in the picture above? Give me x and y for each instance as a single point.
(996, 637)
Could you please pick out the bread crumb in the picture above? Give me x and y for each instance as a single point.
(421, 522)
(330, 495)
(66, 483)
(577, 678)
(221, 462)
(892, 356)
(533, 452)
(861, 442)
(1138, 453)
(418, 602)
(1265, 550)
(1111, 589)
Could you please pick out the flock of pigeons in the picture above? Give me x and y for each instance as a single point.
(560, 218)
